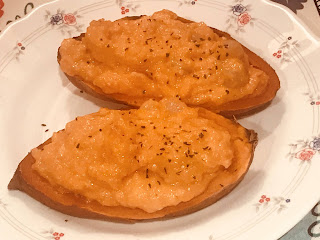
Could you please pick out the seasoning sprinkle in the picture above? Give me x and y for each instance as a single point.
(197, 45)
(195, 76)
(43, 125)
(165, 170)
(201, 135)
(46, 130)
(186, 143)
(144, 92)
(147, 173)
(227, 91)
(221, 185)
(126, 49)
(149, 185)
(159, 182)
(78, 145)
(167, 54)
(100, 130)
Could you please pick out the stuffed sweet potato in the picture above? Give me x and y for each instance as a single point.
(151, 57)
(162, 160)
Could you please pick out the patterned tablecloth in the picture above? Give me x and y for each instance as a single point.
(307, 10)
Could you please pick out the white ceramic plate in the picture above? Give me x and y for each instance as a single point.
(280, 187)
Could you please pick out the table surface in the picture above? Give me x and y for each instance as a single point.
(307, 10)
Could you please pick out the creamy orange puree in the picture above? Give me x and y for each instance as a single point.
(159, 56)
(157, 156)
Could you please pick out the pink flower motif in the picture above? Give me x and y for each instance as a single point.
(305, 154)
(1, 6)
(69, 19)
(244, 19)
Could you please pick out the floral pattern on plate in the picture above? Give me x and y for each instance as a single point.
(279, 202)
(126, 6)
(187, 2)
(51, 234)
(284, 49)
(304, 150)
(240, 17)
(65, 22)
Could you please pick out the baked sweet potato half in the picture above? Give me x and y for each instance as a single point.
(159, 161)
(151, 57)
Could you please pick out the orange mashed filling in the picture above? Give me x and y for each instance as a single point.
(159, 56)
(159, 155)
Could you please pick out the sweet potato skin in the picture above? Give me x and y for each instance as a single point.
(29, 181)
(238, 108)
